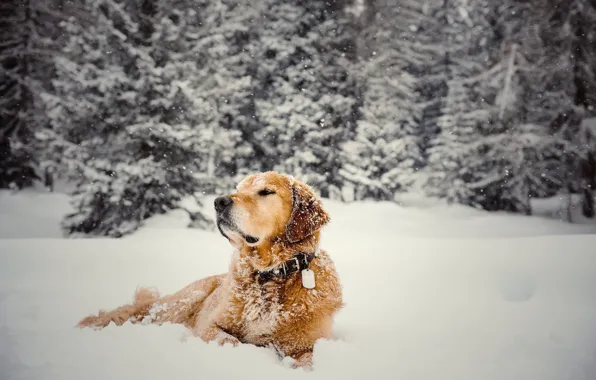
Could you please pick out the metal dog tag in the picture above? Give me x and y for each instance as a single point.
(308, 279)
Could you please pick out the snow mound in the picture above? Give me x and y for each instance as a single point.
(417, 305)
(424, 308)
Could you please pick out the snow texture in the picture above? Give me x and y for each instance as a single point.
(431, 293)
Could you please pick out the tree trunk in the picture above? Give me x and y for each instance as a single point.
(588, 179)
(588, 203)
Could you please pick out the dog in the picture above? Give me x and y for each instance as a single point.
(281, 290)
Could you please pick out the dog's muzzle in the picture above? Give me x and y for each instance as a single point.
(223, 205)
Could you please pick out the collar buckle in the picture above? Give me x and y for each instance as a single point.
(297, 263)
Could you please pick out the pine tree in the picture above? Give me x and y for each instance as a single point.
(524, 151)
(433, 71)
(208, 69)
(562, 82)
(306, 97)
(28, 29)
(127, 118)
(496, 143)
(578, 18)
(455, 160)
(388, 149)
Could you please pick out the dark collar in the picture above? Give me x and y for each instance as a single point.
(299, 262)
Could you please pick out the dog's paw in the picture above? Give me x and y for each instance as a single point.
(224, 338)
(303, 361)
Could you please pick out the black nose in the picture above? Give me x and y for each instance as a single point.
(223, 202)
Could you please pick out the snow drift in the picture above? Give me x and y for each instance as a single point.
(505, 298)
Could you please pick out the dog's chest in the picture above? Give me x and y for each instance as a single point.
(262, 312)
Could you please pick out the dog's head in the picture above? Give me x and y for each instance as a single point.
(268, 206)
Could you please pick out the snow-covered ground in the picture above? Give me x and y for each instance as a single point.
(432, 292)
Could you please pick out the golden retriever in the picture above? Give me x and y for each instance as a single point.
(281, 291)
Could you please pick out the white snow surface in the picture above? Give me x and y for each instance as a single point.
(431, 292)
(31, 214)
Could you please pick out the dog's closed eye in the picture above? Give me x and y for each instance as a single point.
(265, 192)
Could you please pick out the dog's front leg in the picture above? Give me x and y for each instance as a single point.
(213, 321)
(298, 340)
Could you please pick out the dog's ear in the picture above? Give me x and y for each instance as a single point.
(307, 216)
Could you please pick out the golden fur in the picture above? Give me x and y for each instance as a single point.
(233, 307)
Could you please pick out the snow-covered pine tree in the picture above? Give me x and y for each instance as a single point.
(507, 146)
(207, 68)
(306, 100)
(455, 159)
(120, 121)
(528, 94)
(486, 152)
(26, 44)
(572, 22)
(387, 152)
(560, 45)
(510, 155)
(227, 67)
(432, 74)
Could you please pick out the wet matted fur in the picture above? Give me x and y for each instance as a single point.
(269, 219)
